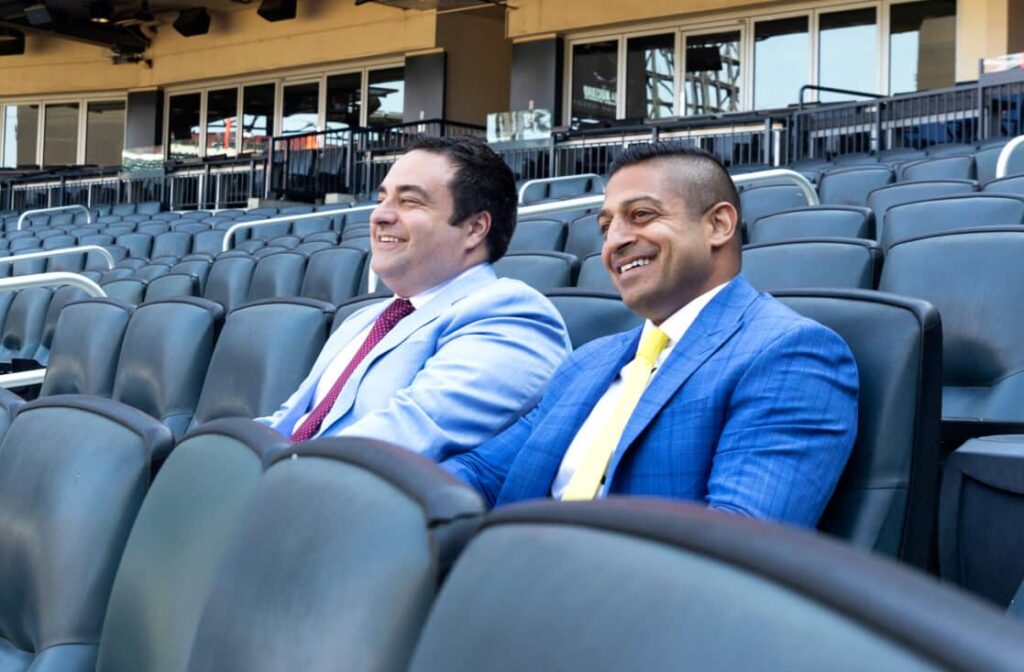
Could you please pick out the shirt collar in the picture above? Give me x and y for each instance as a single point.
(678, 323)
(421, 299)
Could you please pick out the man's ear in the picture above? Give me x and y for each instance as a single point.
(478, 226)
(724, 221)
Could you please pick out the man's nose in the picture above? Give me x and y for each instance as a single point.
(382, 214)
(619, 234)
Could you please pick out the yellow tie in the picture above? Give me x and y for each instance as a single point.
(586, 480)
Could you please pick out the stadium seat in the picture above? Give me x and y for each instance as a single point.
(981, 543)
(67, 263)
(370, 530)
(174, 244)
(985, 161)
(164, 356)
(28, 266)
(355, 230)
(855, 159)
(276, 276)
(138, 245)
(949, 149)
(62, 296)
(846, 263)
(73, 472)
(208, 242)
(228, 282)
(86, 346)
(347, 308)
(851, 186)
(289, 241)
(757, 202)
(151, 208)
(584, 237)
(942, 168)
(579, 587)
(246, 378)
(538, 235)
(268, 250)
(23, 326)
(158, 596)
(311, 247)
(306, 227)
(592, 314)
(1007, 185)
(883, 198)
(153, 228)
(983, 353)
(924, 218)
(199, 268)
(816, 221)
(593, 276)
(151, 271)
(96, 262)
(172, 285)
(885, 500)
(333, 275)
(540, 270)
(59, 241)
(123, 209)
(330, 237)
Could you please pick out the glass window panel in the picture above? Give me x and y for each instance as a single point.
(104, 133)
(594, 81)
(713, 73)
(848, 52)
(922, 45)
(385, 97)
(60, 136)
(183, 126)
(257, 117)
(301, 106)
(21, 125)
(343, 100)
(782, 53)
(650, 76)
(221, 122)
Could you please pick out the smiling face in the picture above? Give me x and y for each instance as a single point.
(414, 245)
(659, 254)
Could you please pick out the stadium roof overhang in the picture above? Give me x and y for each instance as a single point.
(433, 4)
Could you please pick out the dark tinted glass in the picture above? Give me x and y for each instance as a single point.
(343, 100)
(104, 133)
(922, 45)
(650, 76)
(301, 102)
(221, 122)
(713, 74)
(183, 126)
(60, 137)
(21, 127)
(385, 97)
(594, 81)
(257, 117)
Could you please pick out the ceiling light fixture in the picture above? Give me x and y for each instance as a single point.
(101, 11)
(192, 22)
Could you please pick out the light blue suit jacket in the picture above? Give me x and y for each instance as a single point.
(754, 411)
(449, 376)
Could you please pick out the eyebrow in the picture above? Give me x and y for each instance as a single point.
(407, 188)
(605, 212)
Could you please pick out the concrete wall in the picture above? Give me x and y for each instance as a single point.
(479, 63)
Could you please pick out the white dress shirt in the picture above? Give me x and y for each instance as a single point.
(675, 327)
(336, 367)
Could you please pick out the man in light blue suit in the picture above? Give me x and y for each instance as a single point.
(750, 408)
(458, 354)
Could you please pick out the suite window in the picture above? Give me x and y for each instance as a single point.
(782, 51)
(21, 130)
(104, 133)
(183, 126)
(650, 76)
(848, 52)
(301, 108)
(60, 135)
(922, 45)
(257, 117)
(385, 97)
(595, 81)
(221, 122)
(344, 100)
(713, 78)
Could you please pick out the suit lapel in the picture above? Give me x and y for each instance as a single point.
(472, 280)
(715, 325)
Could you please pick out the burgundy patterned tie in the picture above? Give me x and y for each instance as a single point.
(391, 316)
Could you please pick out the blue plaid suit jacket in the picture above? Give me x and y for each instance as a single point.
(754, 411)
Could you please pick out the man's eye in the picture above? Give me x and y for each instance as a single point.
(642, 214)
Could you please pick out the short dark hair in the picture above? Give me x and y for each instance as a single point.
(707, 182)
(482, 182)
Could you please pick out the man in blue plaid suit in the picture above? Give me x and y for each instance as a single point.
(751, 408)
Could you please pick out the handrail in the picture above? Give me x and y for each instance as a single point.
(45, 254)
(255, 224)
(1003, 163)
(775, 175)
(529, 183)
(832, 89)
(36, 376)
(40, 211)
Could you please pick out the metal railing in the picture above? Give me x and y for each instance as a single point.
(1002, 164)
(548, 180)
(42, 211)
(229, 235)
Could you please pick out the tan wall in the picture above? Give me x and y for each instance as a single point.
(981, 32)
(479, 63)
(238, 44)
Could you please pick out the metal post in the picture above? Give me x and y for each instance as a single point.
(552, 158)
(767, 148)
(204, 187)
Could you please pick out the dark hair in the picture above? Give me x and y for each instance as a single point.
(482, 182)
(703, 179)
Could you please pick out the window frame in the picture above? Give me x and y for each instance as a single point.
(59, 99)
(726, 20)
